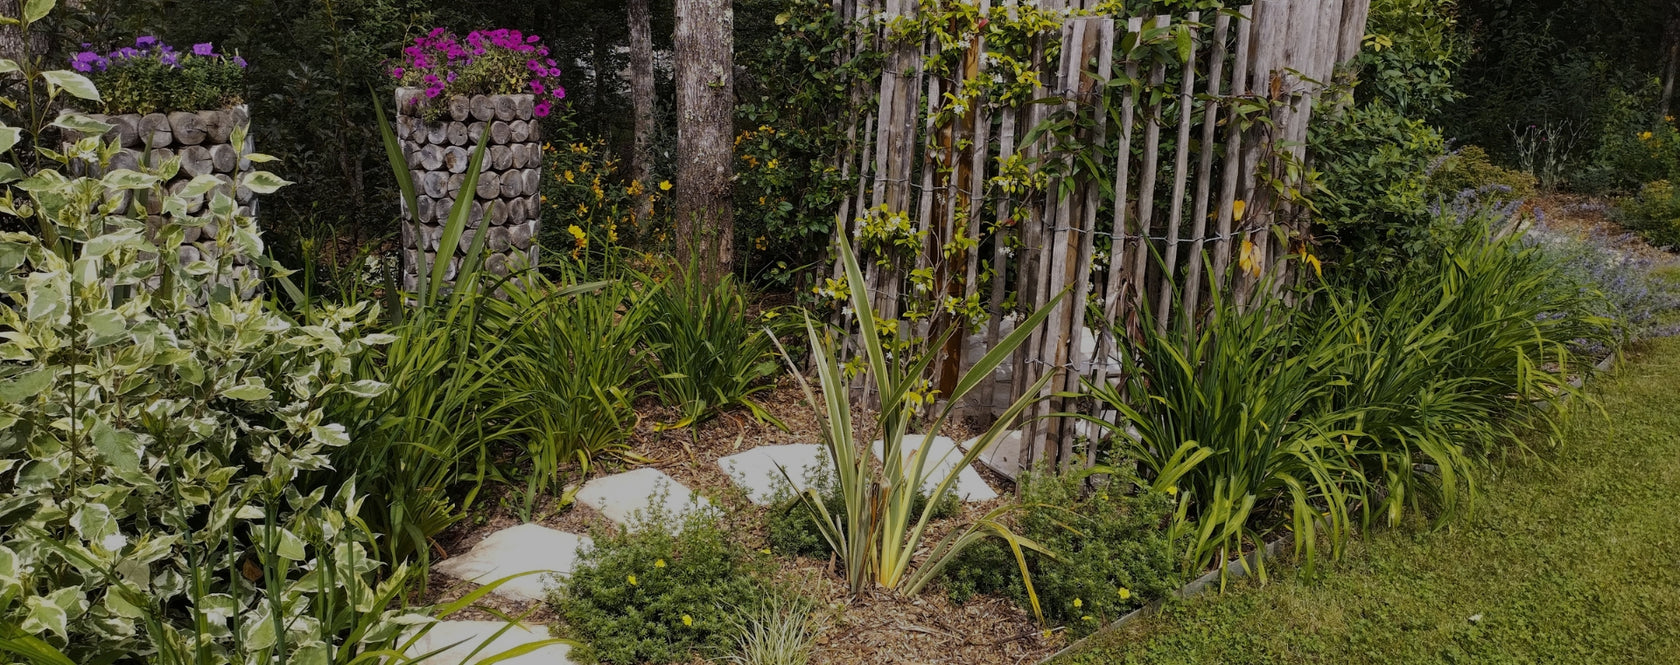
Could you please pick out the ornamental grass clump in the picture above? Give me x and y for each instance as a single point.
(152, 76)
(485, 62)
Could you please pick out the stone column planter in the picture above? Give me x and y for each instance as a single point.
(506, 198)
(203, 141)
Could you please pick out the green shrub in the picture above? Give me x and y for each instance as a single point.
(710, 352)
(152, 76)
(1111, 546)
(778, 630)
(1375, 167)
(1470, 169)
(1653, 213)
(793, 530)
(1412, 50)
(660, 592)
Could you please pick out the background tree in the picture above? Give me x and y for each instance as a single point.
(704, 41)
(641, 96)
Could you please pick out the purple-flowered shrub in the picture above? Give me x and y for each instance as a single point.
(485, 62)
(1641, 288)
(152, 76)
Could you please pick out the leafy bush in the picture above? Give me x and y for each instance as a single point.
(1111, 546)
(793, 530)
(585, 211)
(661, 591)
(1653, 213)
(152, 76)
(710, 352)
(1469, 168)
(1412, 49)
(1376, 166)
(486, 62)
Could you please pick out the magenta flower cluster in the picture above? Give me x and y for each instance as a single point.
(144, 48)
(436, 60)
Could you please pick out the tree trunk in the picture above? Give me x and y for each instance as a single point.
(12, 45)
(641, 96)
(704, 41)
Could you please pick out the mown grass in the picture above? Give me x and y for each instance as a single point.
(1572, 556)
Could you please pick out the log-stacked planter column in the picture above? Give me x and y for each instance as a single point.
(203, 141)
(506, 197)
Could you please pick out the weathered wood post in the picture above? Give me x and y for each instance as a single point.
(506, 198)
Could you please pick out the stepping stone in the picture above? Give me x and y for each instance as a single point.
(943, 455)
(1004, 456)
(445, 633)
(520, 549)
(623, 497)
(759, 471)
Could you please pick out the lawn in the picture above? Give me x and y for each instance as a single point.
(1573, 556)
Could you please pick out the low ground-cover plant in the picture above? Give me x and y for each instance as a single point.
(662, 591)
(485, 62)
(152, 76)
(1469, 168)
(1111, 543)
(793, 530)
(781, 629)
(711, 352)
(1653, 213)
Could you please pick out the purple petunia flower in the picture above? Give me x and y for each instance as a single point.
(239, 61)
(170, 59)
(559, 92)
(541, 109)
(538, 87)
(145, 40)
(204, 49)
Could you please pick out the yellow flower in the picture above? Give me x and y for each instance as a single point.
(635, 188)
(764, 551)
(1047, 633)
(688, 620)
(771, 164)
(1088, 618)
(659, 563)
(1644, 136)
(761, 201)
(1172, 489)
(543, 198)
(582, 239)
(664, 185)
(570, 177)
(766, 128)
(547, 147)
(632, 580)
(1125, 593)
(762, 243)
(1077, 603)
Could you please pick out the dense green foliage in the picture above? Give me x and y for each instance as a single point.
(1653, 213)
(1362, 408)
(1111, 548)
(151, 79)
(1567, 559)
(710, 352)
(1375, 166)
(661, 591)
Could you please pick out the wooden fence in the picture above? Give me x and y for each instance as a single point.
(1151, 152)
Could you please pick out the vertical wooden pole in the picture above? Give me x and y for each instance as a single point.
(1181, 164)
(1204, 174)
(1233, 154)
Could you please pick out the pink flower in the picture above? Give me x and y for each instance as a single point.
(559, 92)
(397, 73)
(541, 109)
(537, 87)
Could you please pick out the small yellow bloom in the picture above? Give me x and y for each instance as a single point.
(688, 620)
(764, 551)
(1047, 633)
(762, 243)
(665, 185)
(570, 177)
(771, 164)
(766, 128)
(1125, 593)
(659, 563)
(578, 235)
(1087, 618)
(1077, 603)
(635, 188)
(1644, 136)
(544, 198)
(1172, 489)
(632, 580)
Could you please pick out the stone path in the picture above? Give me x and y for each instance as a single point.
(547, 554)
(627, 499)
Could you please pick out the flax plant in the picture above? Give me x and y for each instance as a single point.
(878, 535)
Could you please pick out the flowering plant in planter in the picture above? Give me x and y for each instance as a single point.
(152, 76)
(486, 62)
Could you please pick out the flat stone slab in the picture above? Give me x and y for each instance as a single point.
(623, 497)
(759, 471)
(521, 549)
(1004, 456)
(943, 455)
(445, 633)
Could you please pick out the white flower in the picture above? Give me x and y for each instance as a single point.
(114, 542)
